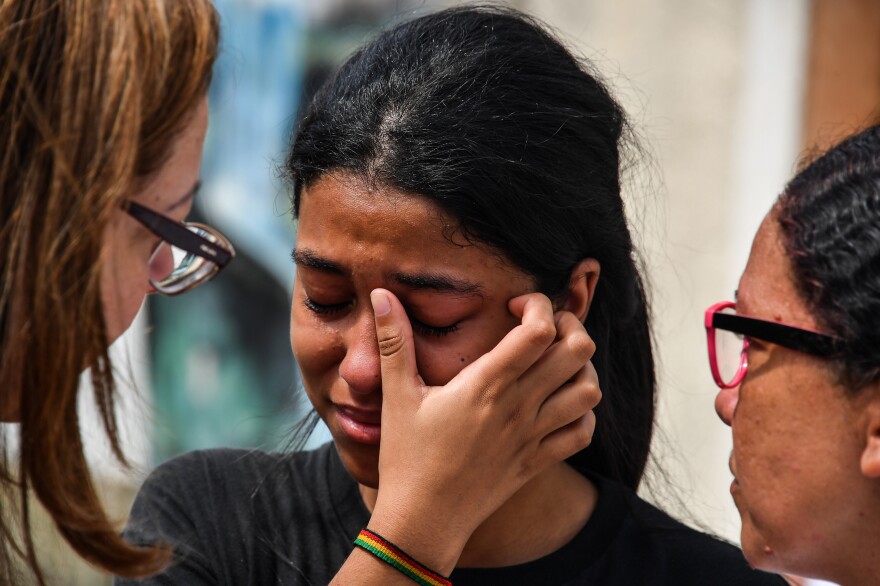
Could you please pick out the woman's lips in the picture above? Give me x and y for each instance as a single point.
(360, 425)
(731, 464)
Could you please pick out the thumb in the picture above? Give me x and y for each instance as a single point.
(396, 350)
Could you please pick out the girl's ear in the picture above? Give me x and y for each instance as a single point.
(581, 288)
(870, 462)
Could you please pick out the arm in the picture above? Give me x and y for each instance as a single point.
(523, 406)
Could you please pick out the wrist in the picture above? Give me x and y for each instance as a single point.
(433, 540)
(393, 555)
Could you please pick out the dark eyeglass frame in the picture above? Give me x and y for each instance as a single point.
(792, 337)
(218, 252)
(177, 234)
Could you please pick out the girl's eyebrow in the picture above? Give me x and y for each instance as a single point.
(439, 282)
(308, 258)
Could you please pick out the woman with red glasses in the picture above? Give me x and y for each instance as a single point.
(797, 358)
(103, 114)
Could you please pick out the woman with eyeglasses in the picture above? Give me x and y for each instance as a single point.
(797, 357)
(454, 162)
(103, 113)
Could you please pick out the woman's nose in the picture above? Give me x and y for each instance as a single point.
(361, 367)
(161, 262)
(725, 403)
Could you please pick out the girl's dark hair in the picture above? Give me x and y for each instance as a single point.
(830, 219)
(483, 112)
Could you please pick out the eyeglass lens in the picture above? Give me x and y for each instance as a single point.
(173, 270)
(728, 351)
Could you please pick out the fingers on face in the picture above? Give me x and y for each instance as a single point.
(565, 422)
(394, 337)
(568, 355)
(568, 440)
(573, 400)
(520, 348)
(571, 331)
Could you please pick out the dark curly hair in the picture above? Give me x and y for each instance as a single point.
(486, 114)
(830, 219)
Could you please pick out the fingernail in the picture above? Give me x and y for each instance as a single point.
(381, 305)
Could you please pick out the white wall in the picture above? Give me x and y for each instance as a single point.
(716, 90)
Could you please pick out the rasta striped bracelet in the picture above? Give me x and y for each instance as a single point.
(394, 556)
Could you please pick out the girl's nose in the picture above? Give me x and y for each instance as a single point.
(361, 367)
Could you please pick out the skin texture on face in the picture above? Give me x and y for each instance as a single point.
(353, 238)
(796, 433)
(128, 245)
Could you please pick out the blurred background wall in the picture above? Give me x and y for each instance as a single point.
(726, 96)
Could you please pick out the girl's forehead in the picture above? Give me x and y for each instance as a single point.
(362, 230)
(362, 211)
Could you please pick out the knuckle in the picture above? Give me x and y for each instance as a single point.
(514, 417)
(589, 390)
(584, 403)
(487, 396)
(541, 333)
(595, 394)
(581, 346)
(391, 345)
(488, 391)
(583, 432)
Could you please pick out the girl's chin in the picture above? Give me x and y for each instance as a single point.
(362, 464)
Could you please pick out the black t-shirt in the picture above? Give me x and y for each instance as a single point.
(246, 517)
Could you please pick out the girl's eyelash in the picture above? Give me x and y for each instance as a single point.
(418, 327)
(427, 330)
(322, 309)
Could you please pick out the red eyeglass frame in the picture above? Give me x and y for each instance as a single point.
(792, 337)
(713, 359)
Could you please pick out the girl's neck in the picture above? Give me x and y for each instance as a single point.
(540, 518)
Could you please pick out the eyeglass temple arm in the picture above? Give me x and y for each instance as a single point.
(788, 336)
(178, 235)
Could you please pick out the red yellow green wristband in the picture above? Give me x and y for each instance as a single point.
(394, 556)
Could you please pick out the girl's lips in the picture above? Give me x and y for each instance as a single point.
(360, 425)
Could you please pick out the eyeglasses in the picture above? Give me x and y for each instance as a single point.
(728, 337)
(188, 255)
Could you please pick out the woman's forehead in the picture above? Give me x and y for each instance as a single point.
(767, 289)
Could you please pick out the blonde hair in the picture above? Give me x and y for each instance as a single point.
(92, 94)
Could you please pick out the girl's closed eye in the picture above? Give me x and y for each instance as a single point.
(325, 308)
(420, 327)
